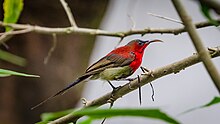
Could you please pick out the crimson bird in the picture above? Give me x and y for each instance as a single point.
(118, 64)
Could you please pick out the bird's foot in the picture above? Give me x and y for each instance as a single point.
(84, 101)
(214, 51)
(112, 99)
(147, 71)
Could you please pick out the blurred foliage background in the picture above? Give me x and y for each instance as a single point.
(19, 94)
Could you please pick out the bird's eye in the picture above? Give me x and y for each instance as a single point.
(140, 43)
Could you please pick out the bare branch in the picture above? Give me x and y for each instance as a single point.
(23, 31)
(69, 13)
(144, 79)
(88, 31)
(191, 29)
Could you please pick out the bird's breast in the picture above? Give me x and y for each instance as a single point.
(136, 62)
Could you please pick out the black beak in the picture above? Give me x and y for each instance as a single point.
(156, 40)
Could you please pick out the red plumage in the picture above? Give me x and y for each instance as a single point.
(119, 63)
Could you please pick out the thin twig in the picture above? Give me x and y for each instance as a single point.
(119, 42)
(132, 22)
(69, 13)
(152, 96)
(144, 79)
(166, 18)
(53, 47)
(23, 31)
(4, 37)
(191, 29)
(5, 45)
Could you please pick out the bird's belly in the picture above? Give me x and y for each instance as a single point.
(116, 73)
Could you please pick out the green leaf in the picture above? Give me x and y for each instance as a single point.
(5, 73)
(86, 121)
(214, 101)
(42, 122)
(12, 10)
(147, 113)
(206, 12)
(54, 115)
(102, 113)
(6, 56)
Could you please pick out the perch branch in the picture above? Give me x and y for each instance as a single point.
(191, 29)
(144, 79)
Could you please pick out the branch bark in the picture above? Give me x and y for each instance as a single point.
(191, 29)
(175, 67)
(69, 13)
(89, 31)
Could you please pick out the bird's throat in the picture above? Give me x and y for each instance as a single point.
(137, 62)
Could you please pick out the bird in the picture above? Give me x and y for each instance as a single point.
(118, 64)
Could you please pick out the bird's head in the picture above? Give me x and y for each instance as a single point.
(139, 45)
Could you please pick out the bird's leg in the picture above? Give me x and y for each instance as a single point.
(112, 99)
(146, 71)
(113, 87)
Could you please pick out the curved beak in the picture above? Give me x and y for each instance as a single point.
(146, 43)
(156, 40)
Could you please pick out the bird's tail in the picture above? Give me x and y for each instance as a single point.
(63, 90)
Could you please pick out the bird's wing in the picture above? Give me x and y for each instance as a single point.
(112, 60)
